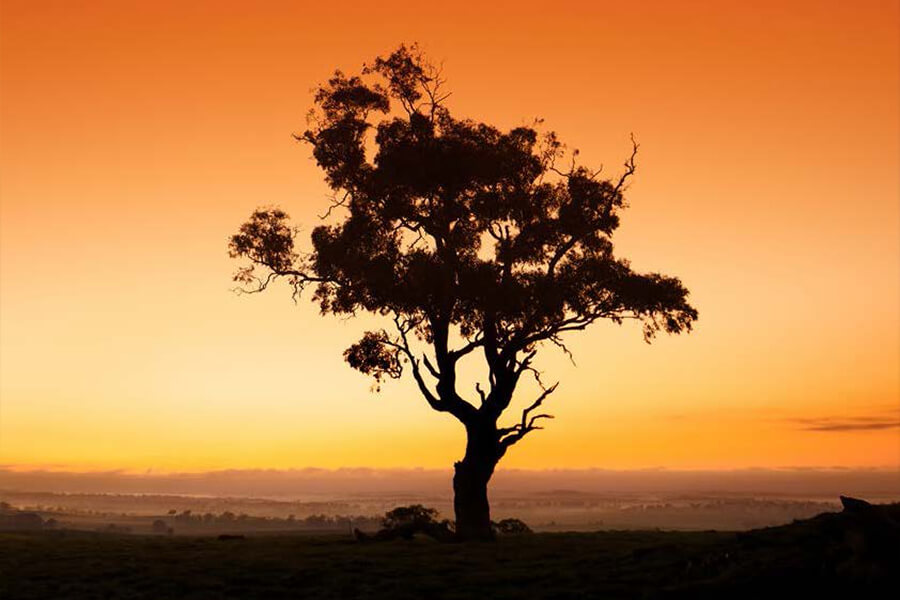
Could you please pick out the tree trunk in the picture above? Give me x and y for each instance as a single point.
(470, 481)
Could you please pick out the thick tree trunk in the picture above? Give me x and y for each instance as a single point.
(470, 502)
(470, 481)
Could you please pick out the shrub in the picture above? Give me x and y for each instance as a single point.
(511, 527)
(414, 514)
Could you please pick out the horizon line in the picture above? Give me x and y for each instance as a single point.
(150, 471)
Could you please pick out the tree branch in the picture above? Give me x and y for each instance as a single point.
(459, 353)
(404, 347)
(481, 393)
(511, 435)
(434, 372)
(630, 165)
(441, 402)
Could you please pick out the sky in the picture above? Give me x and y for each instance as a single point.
(135, 137)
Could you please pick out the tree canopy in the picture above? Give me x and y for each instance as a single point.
(469, 238)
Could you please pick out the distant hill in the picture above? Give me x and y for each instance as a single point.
(308, 483)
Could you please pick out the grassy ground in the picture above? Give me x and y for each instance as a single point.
(74, 565)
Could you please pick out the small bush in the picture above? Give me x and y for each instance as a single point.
(406, 521)
(414, 514)
(511, 527)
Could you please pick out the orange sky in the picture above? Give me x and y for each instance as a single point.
(136, 136)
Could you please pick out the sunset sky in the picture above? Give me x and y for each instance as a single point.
(136, 136)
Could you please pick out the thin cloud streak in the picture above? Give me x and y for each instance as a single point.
(853, 426)
(844, 424)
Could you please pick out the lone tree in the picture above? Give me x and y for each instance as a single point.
(469, 239)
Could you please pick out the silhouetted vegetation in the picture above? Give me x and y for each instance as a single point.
(472, 240)
(13, 519)
(414, 514)
(407, 521)
(185, 522)
(511, 527)
(851, 554)
(553, 510)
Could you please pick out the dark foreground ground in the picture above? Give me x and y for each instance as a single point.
(835, 555)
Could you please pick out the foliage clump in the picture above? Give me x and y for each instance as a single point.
(407, 521)
(511, 527)
(414, 514)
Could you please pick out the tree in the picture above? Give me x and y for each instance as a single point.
(470, 240)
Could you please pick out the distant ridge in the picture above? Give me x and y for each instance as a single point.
(831, 482)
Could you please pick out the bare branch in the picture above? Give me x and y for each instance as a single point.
(481, 393)
(537, 403)
(630, 165)
(404, 347)
(513, 434)
(246, 275)
(456, 406)
(335, 203)
(557, 341)
(525, 365)
(434, 372)
(459, 353)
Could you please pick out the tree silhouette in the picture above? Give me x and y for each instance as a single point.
(470, 239)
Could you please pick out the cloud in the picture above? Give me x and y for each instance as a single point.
(850, 426)
(843, 424)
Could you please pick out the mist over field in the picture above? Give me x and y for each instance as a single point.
(550, 500)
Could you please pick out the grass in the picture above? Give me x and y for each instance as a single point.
(626, 564)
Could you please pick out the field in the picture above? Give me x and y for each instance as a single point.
(814, 558)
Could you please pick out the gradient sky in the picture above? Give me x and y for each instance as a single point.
(135, 137)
